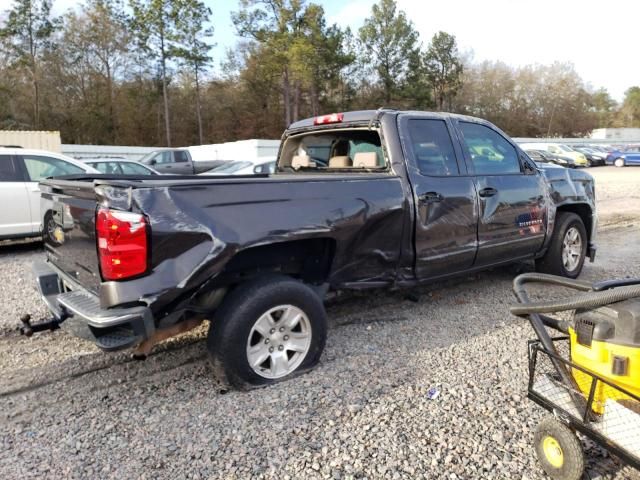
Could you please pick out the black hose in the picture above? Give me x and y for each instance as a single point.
(587, 300)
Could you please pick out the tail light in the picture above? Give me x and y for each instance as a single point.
(122, 243)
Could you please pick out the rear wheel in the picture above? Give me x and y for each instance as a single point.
(559, 450)
(267, 330)
(619, 162)
(568, 248)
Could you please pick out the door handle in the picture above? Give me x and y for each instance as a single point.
(430, 197)
(488, 192)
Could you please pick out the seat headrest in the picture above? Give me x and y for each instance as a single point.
(300, 161)
(365, 160)
(341, 161)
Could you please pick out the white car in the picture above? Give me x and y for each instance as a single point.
(245, 167)
(120, 166)
(20, 172)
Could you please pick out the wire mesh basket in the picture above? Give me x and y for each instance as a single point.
(592, 405)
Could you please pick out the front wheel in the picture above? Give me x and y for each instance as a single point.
(559, 450)
(267, 330)
(568, 248)
(619, 162)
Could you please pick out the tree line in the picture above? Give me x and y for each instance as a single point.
(141, 73)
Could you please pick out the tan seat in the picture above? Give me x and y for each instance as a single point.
(365, 160)
(299, 161)
(341, 161)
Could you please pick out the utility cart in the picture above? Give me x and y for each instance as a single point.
(588, 377)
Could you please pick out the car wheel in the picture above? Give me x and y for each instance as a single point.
(559, 450)
(49, 229)
(265, 331)
(619, 162)
(568, 248)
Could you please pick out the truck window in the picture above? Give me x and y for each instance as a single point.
(163, 157)
(490, 152)
(432, 147)
(336, 150)
(181, 156)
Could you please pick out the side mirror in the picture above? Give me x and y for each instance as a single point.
(152, 162)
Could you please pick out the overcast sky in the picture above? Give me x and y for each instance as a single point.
(602, 39)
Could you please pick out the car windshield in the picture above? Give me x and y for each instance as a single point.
(232, 167)
(564, 148)
(130, 168)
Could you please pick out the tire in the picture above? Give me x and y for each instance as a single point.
(554, 262)
(619, 162)
(48, 229)
(250, 318)
(559, 450)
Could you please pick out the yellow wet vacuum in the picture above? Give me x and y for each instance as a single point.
(589, 375)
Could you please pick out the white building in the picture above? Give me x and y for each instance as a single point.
(617, 134)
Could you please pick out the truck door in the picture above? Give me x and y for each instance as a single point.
(182, 163)
(445, 197)
(512, 196)
(162, 161)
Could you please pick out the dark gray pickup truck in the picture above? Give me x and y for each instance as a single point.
(369, 199)
(178, 161)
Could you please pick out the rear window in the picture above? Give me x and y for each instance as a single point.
(344, 150)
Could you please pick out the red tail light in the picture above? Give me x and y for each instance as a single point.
(122, 243)
(325, 119)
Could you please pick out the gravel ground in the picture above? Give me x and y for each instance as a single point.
(71, 411)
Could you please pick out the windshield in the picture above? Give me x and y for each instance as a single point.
(232, 167)
(353, 149)
(564, 148)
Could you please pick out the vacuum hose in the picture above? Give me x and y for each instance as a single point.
(587, 300)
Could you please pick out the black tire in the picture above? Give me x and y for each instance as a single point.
(47, 230)
(567, 463)
(552, 261)
(233, 322)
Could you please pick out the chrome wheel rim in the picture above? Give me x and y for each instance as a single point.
(571, 249)
(279, 341)
(619, 162)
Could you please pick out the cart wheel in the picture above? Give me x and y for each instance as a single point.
(559, 450)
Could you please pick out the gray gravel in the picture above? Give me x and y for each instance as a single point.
(68, 410)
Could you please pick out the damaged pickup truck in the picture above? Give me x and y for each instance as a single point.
(368, 199)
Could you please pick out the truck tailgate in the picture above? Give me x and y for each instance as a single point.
(71, 244)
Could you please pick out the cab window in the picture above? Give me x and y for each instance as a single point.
(335, 150)
(432, 147)
(41, 167)
(490, 152)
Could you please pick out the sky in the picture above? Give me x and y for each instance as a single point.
(601, 39)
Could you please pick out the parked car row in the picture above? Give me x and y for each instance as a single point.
(583, 155)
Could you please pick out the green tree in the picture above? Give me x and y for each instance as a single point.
(443, 68)
(193, 48)
(154, 22)
(25, 38)
(604, 107)
(390, 46)
(630, 112)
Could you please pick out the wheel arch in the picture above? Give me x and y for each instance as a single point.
(585, 213)
(309, 260)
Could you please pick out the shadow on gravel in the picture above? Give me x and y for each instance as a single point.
(19, 246)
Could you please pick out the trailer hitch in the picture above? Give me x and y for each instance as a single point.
(28, 329)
